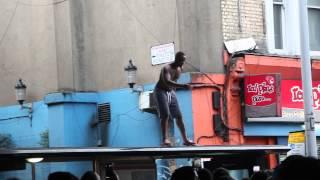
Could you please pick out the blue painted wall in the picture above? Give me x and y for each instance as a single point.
(270, 129)
(25, 133)
(273, 129)
(129, 126)
(69, 125)
(68, 118)
(185, 102)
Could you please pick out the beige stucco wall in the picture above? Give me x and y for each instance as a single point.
(123, 30)
(27, 49)
(81, 45)
(200, 30)
(115, 31)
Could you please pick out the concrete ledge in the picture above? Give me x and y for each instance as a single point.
(70, 97)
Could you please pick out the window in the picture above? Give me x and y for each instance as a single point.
(282, 25)
(276, 29)
(314, 25)
(277, 19)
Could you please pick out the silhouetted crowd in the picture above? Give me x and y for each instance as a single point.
(294, 167)
(191, 173)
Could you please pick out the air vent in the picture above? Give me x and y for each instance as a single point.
(104, 112)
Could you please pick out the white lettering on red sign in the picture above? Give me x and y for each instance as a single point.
(256, 99)
(260, 89)
(297, 95)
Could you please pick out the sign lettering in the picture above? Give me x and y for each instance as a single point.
(260, 89)
(297, 95)
(262, 95)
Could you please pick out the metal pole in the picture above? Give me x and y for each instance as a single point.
(33, 169)
(311, 141)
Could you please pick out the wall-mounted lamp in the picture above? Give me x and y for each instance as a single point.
(20, 92)
(132, 75)
(34, 159)
(21, 89)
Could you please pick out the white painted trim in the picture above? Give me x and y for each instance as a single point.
(270, 28)
(290, 28)
(315, 53)
(269, 24)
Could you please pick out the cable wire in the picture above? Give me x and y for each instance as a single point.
(205, 137)
(139, 21)
(224, 109)
(205, 74)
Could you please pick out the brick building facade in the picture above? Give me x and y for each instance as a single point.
(243, 19)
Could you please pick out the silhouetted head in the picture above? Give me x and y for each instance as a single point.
(90, 175)
(228, 177)
(185, 173)
(62, 176)
(297, 167)
(220, 172)
(204, 174)
(260, 175)
(180, 58)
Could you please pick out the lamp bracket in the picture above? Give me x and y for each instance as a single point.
(137, 88)
(30, 110)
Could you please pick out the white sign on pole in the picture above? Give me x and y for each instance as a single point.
(162, 54)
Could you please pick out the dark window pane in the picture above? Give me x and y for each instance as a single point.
(277, 18)
(314, 2)
(314, 29)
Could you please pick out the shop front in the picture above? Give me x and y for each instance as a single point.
(291, 118)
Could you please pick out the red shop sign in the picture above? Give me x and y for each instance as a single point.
(262, 95)
(292, 94)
